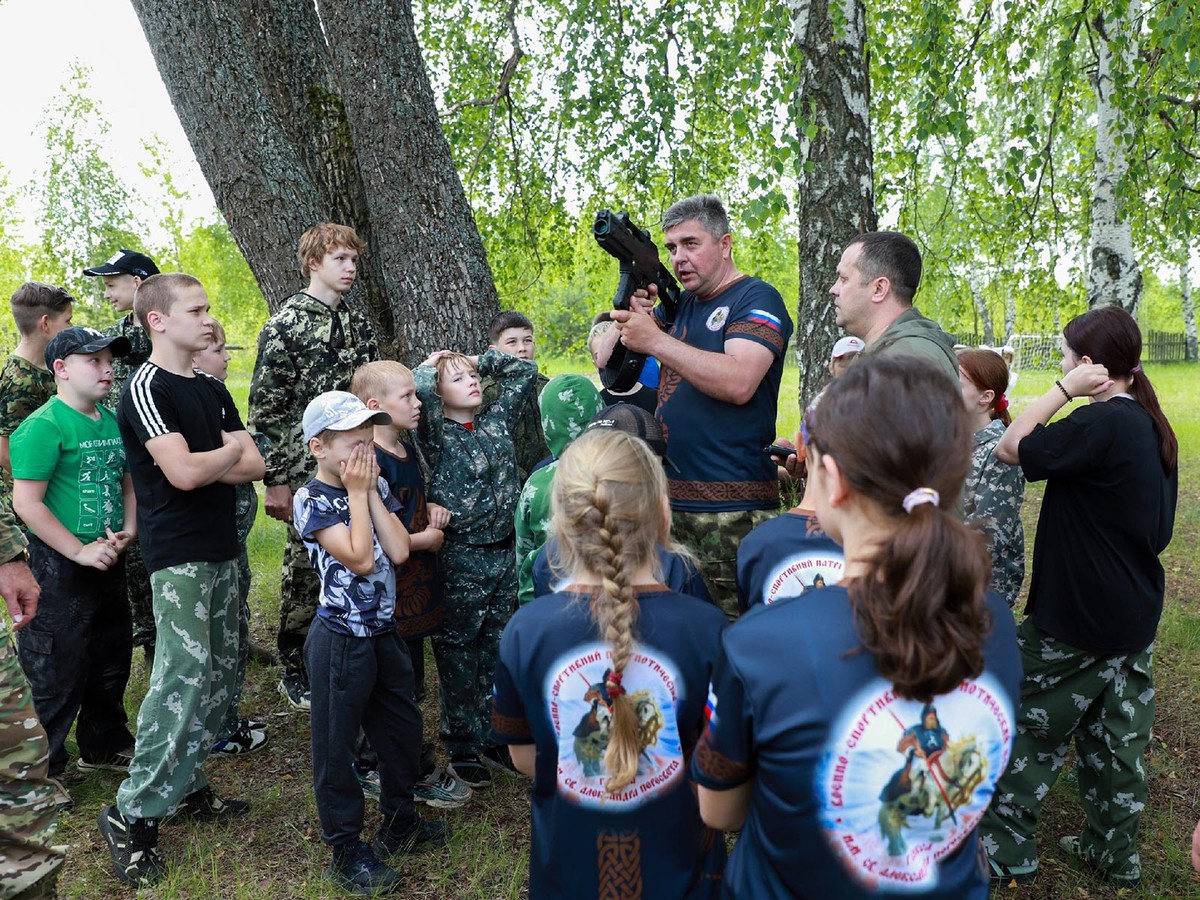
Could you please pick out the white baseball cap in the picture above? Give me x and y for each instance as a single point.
(847, 345)
(339, 411)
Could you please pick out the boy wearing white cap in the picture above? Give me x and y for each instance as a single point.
(845, 351)
(360, 672)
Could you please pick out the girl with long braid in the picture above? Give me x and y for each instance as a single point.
(600, 691)
(856, 732)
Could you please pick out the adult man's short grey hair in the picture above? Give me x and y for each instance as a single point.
(707, 209)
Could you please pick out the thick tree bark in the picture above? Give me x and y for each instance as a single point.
(1115, 279)
(1189, 310)
(836, 182)
(297, 119)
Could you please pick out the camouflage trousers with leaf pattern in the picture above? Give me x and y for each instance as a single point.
(713, 539)
(1104, 703)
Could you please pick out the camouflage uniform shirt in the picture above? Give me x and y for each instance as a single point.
(123, 366)
(473, 471)
(23, 388)
(305, 349)
(527, 435)
(992, 499)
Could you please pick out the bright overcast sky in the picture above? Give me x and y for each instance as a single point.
(40, 40)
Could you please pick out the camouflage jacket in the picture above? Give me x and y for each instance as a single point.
(12, 542)
(123, 366)
(527, 434)
(992, 499)
(23, 388)
(473, 471)
(305, 349)
(245, 497)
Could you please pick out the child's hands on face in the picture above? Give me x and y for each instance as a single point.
(439, 516)
(360, 473)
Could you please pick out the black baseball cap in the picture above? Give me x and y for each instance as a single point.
(125, 262)
(636, 421)
(81, 339)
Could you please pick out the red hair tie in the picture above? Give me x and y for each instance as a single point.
(1002, 404)
(613, 683)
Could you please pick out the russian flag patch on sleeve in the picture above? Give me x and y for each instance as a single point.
(762, 317)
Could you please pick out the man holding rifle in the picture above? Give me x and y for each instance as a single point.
(722, 361)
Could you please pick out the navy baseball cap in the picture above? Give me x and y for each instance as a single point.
(125, 262)
(636, 421)
(80, 339)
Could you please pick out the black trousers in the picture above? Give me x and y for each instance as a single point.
(367, 683)
(76, 653)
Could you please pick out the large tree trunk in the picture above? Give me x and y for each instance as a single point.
(836, 182)
(1189, 311)
(1115, 279)
(981, 308)
(297, 119)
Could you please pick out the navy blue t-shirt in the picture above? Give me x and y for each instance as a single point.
(717, 446)
(855, 791)
(647, 840)
(785, 557)
(677, 573)
(419, 608)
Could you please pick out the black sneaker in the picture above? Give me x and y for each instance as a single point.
(253, 724)
(133, 847)
(294, 687)
(114, 762)
(205, 806)
(356, 868)
(471, 771)
(419, 834)
(497, 758)
(244, 740)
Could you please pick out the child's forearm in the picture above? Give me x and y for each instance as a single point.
(421, 540)
(43, 523)
(129, 505)
(361, 557)
(393, 536)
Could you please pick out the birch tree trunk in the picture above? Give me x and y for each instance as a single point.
(1115, 278)
(981, 308)
(297, 119)
(1010, 316)
(1189, 311)
(836, 183)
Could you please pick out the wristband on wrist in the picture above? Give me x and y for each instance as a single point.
(1066, 393)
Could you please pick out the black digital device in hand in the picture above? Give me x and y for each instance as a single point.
(778, 451)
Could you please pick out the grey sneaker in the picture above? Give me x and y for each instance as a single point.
(442, 790)
(115, 762)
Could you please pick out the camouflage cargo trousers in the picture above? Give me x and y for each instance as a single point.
(299, 592)
(1105, 704)
(141, 598)
(195, 663)
(713, 539)
(233, 715)
(480, 594)
(28, 816)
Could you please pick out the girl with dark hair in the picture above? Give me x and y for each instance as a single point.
(1095, 597)
(994, 490)
(600, 690)
(856, 732)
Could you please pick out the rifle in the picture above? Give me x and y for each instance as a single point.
(640, 267)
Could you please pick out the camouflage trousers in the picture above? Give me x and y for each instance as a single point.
(76, 653)
(28, 816)
(1106, 705)
(713, 539)
(195, 662)
(299, 591)
(141, 598)
(233, 716)
(480, 594)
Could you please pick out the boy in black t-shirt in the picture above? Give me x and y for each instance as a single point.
(187, 448)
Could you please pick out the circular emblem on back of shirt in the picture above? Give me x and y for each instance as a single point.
(902, 784)
(808, 570)
(581, 711)
(717, 318)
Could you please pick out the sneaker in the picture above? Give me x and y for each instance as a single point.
(114, 762)
(244, 740)
(205, 806)
(369, 782)
(442, 790)
(419, 834)
(1070, 845)
(133, 847)
(497, 758)
(294, 688)
(1009, 876)
(356, 868)
(471, 771)
(62, 797)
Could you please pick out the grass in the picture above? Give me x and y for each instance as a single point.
(276, 851)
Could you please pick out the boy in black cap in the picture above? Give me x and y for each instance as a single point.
(72, 488)
(124, 271)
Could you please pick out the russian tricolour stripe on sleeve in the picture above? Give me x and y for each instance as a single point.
(762, 317)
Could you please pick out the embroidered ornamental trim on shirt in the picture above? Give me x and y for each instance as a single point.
(753, 329)
(510, 726)
(619, 860)
(717, 765)
(723, 491)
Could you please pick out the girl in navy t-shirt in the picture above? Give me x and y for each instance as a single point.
(600, 691)
(856, 732)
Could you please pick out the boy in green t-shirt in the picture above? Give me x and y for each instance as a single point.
(71, 486)
(40, 311)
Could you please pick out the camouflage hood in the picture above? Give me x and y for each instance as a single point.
(568, 403)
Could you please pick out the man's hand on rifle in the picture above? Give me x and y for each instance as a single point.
(639, 330)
